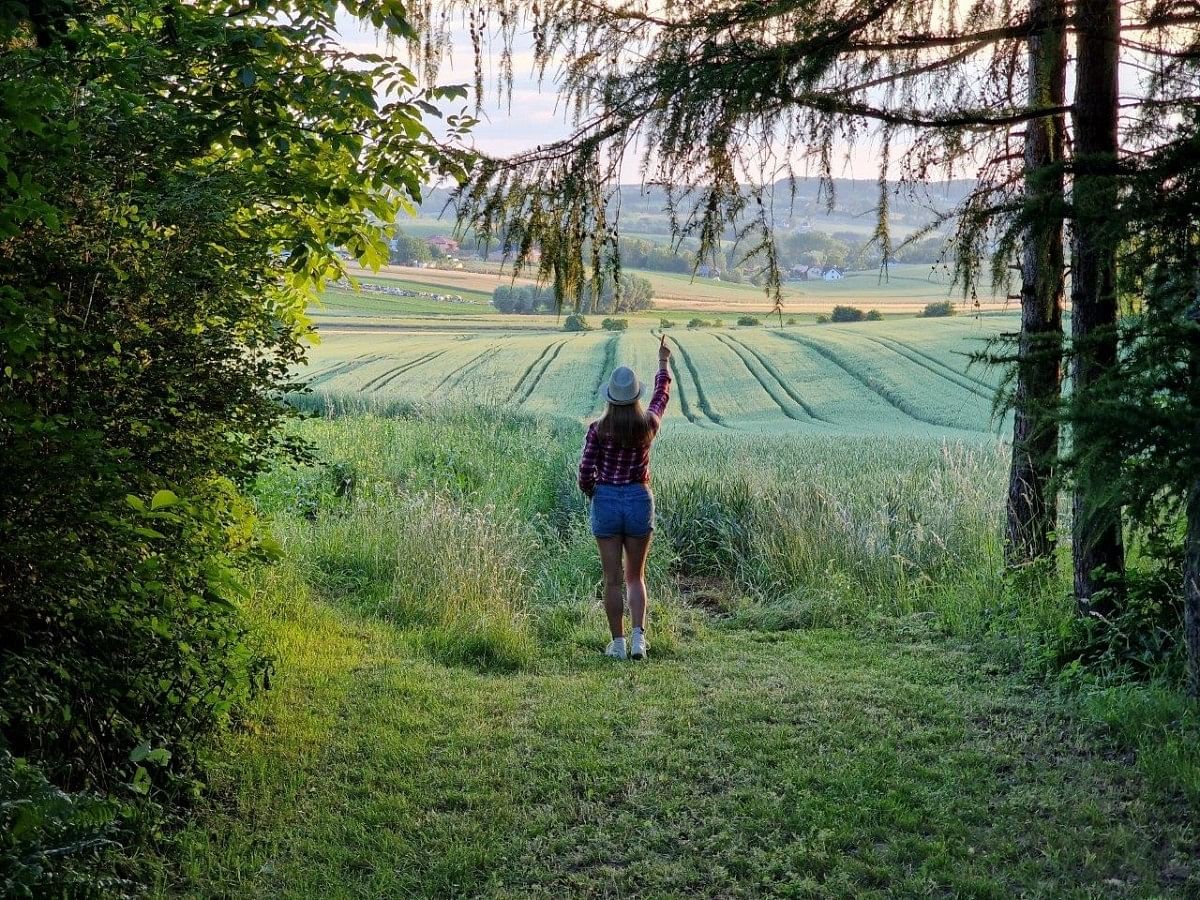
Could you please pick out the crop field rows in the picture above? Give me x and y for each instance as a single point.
(901, 377)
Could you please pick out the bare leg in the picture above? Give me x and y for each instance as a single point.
(636, 551)
(614, 603)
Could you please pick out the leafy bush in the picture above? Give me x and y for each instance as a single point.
(938, 309)
(748, 320)
(53, 843)
(847, 314)
(665, 323)
(822, 319)
(614, 324)
(575, 322)
(134, 411)
(697, 323)
(717, 323)
(523, 299)
(792, 320)
(874, 315)
(1143, 638)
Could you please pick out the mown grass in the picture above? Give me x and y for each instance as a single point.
(444, 724)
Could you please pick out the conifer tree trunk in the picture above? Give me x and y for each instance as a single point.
(1096, 536)
(1032, 504)
(1191, 589)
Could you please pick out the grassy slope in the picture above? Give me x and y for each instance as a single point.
(746, 764)
(738, 762)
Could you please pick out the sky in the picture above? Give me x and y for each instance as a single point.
(536, 115)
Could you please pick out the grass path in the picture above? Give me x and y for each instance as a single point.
(745, 764)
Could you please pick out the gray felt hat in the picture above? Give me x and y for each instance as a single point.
(623, 387)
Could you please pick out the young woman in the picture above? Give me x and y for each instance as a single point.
(615, 473)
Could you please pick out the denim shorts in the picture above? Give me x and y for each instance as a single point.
(622, 510)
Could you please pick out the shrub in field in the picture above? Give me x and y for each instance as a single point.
(1143, 637)
(575, 322)
(847, 314)
(792, 320)
(748, 320)
(614, 324)
(938, 309)
(874, 315)
(717, 323)
(52, 843)
(665, 323)
(697, 323)
(822, 319)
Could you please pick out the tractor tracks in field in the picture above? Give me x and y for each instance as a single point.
(466, 368)
(747, 354)
(701, 398)
(379, 382)
(541, 371)
(343, 368)
(606, 366)
(533, 374)
(684, 406)
(934, 366)
(874, 386)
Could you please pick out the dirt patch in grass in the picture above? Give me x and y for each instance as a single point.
(711, 594)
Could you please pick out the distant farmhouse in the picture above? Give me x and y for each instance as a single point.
(809, 273)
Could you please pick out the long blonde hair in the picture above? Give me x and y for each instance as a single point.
(625, 424)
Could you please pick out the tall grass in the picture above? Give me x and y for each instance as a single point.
(463, 525)
(823, 531)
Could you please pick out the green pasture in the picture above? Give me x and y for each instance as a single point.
(891, 377)
(346, 300)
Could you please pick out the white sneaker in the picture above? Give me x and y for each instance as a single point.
(616, 649)
(638, 647)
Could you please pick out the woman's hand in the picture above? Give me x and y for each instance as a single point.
(664, 352)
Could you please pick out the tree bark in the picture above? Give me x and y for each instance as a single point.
(1191, 589)
(1032, 500)
(1096, 538)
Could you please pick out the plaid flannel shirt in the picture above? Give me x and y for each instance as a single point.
(603, 462)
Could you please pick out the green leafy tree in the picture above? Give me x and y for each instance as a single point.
(1142, 414)
(174, 177)
(406, 249)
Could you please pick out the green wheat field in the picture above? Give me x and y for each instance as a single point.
(838, 701)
